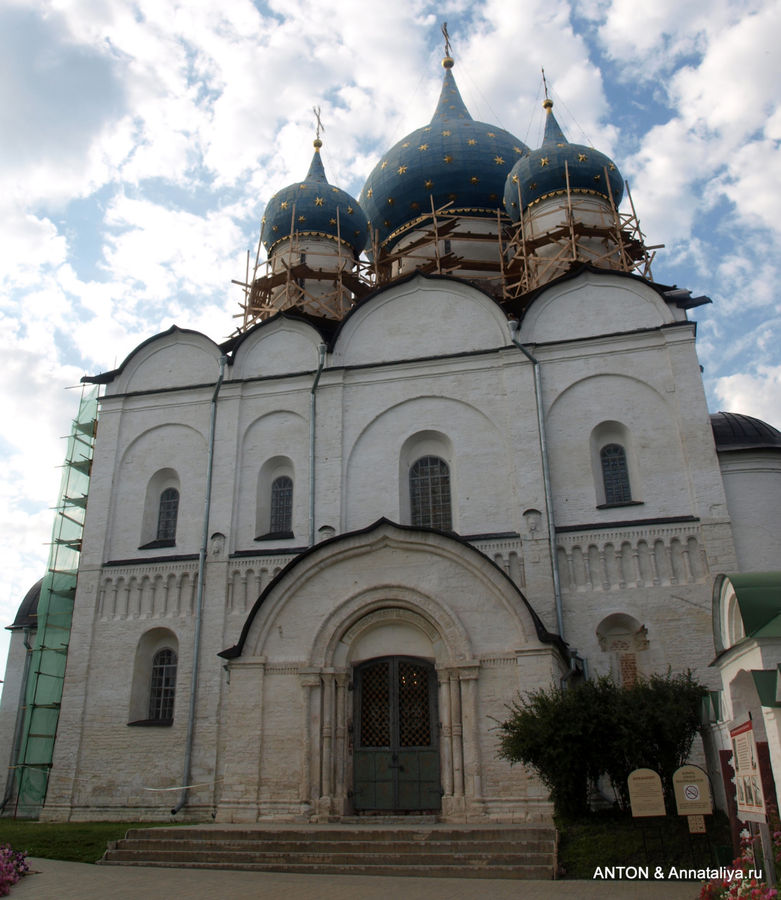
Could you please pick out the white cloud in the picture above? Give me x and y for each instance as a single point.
(753, 393)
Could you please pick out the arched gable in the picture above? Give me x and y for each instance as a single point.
(174, 358)
(279, 346)
(590, 304)
(421, 317)
(387, 570)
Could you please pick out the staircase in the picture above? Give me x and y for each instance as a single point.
(465, 851)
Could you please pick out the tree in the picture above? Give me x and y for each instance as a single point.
(572, 737)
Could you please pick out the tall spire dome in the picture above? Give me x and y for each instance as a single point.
(565, 197)
(314, 234)
(454, 162)
(557, 166)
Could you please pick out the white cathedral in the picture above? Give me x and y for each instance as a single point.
(458, 449)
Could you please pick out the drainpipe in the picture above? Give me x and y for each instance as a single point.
(188, 753)
(545, 474)
(312, 416)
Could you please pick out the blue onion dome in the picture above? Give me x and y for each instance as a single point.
(315, 208)
(453, 160)
(543, 172)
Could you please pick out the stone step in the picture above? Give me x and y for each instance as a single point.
(526, 872)
(444, 851)
(395, 859)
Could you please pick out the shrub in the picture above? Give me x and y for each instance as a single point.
(572, 737)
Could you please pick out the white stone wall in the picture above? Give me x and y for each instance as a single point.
(425, 364)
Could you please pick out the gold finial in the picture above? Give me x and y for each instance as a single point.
(448, 61)
(317, 142)
(547, 103)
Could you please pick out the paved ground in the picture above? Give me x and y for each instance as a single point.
(76, 881)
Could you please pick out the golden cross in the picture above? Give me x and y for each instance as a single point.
(447, 38)
(316, 111)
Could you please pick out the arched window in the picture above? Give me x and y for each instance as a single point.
(429, 492)
(281, 505)
(615, 474)
(167, 513)
(163, 686)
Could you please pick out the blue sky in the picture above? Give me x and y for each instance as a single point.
(141, 139)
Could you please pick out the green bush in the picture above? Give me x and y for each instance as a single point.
(572, 737)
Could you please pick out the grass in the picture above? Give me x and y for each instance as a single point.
(83, 842)
(615, 839)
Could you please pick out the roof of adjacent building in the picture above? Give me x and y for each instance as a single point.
(27, 614)
(735, 431)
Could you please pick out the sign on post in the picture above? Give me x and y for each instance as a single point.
(748, 782)
(645, 793)
(692, 791)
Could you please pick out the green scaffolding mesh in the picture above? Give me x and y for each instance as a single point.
(43, 692)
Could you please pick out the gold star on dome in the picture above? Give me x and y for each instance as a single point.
(302, 186)
(518, 150)
(369, 192)
(514, 203)
(451, 196)
(597, 178)
(446, 133)
(332, 221)
(492, 197)
(448, 158)
(283, 204)
(390, 201)
(427, 128)
(319, 201)
(350, 210)
(471, 142)
(357, 232)
(514, 179)
(405, 144)
(429, 184)
(532, 185)
(544, 160)
(415, 204)
(423, 147)
(401, 170)
(582, 157)
(491, 134)
(263, 220)
(386, 223)
(474, 179)
(498, 160)
(274, 228)
(302, 218)
(612, 167)
(335, 190)
(561, 145)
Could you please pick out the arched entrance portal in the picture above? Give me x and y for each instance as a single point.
(396, 755)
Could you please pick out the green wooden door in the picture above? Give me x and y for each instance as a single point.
(396, 755)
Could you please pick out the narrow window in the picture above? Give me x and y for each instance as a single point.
(161, 694)
(615, 474)
(166, 518)
(281, 505)
(429, 493)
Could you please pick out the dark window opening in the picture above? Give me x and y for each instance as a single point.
(281, 505)
(166, 518)
(615, 475)
(429, 489)
(163, 689)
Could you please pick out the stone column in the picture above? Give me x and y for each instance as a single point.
(310, 736)
(458, 749)
(340, 743)
(327, 734)
(446, 748)
(473, 786)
